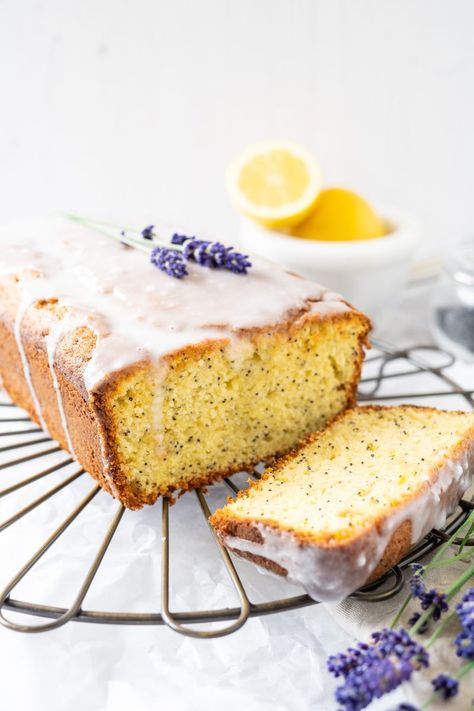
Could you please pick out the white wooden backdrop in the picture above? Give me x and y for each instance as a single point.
(134, 107)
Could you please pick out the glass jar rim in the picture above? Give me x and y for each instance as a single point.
(460, 265)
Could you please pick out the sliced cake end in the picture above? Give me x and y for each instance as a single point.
(349, 503)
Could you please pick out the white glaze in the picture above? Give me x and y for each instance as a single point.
(52, 340)
(137, 312)
(332, 573)
(24, 361)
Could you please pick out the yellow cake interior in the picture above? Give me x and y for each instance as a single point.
(363, 465)
(240, 403)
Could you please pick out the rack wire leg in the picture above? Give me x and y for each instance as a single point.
(75, 608)
(167, 616)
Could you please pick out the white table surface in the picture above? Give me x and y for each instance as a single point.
(276, 663)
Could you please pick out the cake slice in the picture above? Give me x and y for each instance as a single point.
(156, 384)
(349, 503)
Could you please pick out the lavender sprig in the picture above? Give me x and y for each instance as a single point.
(212, 254)
(372, 670)
(171, 255)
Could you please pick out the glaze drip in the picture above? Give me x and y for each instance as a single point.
(52, 340)
(26, 366)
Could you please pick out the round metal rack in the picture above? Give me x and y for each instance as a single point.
(384, 367)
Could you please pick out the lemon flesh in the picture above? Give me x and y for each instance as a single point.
(340, 215)
(276, 184)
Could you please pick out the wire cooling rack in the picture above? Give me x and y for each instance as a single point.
(414, 375)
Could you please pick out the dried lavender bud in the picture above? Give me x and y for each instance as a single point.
(148, 233)
(212, 254)
(417, 586)
(169, 261)
(445, 686)
(437, 599)
(414, 619)
(464, 644)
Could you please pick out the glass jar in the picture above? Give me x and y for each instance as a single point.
(453, 303)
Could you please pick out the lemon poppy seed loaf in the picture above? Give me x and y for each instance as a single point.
(156, 384)
(348, 504)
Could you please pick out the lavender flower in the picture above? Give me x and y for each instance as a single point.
(212, 254)
(169, 261)
(465, 610)
(438, 600)
(417, 586)
(414, 619)
(399, 642)
(417, 568)
(363, 685)
(405, 707)
(147, 232)
(370, 671)
(464, 643)
(340, 664)
(446, 686)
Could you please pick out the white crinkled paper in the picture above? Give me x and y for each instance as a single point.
(274, 663)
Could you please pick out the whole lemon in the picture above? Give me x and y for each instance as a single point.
(339, 215)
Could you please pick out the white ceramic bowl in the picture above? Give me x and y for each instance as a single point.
(368, 273)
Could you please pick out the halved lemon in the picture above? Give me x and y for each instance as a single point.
(275, 184)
